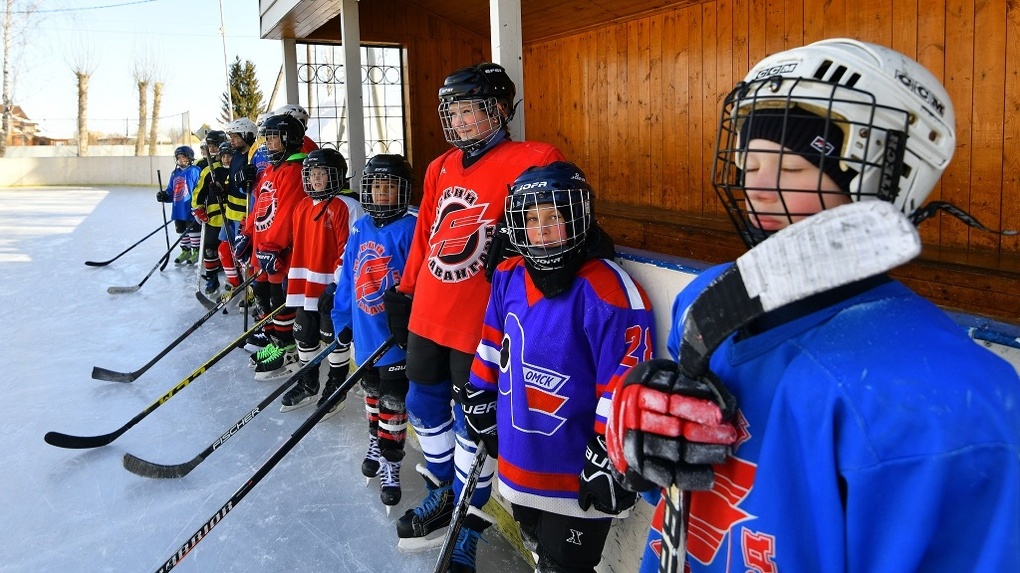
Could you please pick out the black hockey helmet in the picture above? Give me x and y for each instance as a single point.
(335, 166)
(485, 86)
(563, 186)
(214, 138)
(386, 170)
(291, 132)
(225, 149)
(186, 151)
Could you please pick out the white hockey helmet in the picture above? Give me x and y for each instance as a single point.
(243, 127)
(888, 129)
(262, 117)
(294, 110)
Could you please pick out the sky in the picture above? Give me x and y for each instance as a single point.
(181, 37)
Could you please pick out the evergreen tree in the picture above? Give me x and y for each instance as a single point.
(244, 92)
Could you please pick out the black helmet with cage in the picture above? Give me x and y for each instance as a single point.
(876, 124)
(214, 138)
(549, 214)
(325, 168)
(291, 132)
(386, 187)
(484, 88)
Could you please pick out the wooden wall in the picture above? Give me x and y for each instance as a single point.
(433, 47)
(636, 104)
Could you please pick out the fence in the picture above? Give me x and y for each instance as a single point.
(58, 137)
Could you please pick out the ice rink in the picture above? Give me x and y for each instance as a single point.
(80, 510)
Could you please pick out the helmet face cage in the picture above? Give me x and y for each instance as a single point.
(480, 119)
(324, 173)
(213, 139)
(871, 138)
(549, 227)
(384, 195)
(291, 133)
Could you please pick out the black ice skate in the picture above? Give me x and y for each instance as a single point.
(424, 527)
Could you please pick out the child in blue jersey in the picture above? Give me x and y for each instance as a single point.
(178, 191)
(871, 433)
(374, 258)
(563, 325)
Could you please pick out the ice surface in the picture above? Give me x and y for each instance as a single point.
(80, 510)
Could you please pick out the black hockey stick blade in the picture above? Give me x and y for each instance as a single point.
(828, 250)
(61, 440)
(149, 469)
(114, 376)
(305, 427)
(461, 510)
(206, 301)
(160, 264)
(124, 252)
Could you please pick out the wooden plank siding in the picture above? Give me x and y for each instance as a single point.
(653, 92)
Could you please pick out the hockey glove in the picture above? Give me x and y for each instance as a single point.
(326, 300)
(480, 416)
(245, 176)
(666, 428)
(200, 214)
(242, 246)
(598, 484)
(499, 249)
(162, 196)
(398, 315)
(270, 259)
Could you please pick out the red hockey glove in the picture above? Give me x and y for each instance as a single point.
(598, 485)
(270, 259)
(480, 417)
(398, 314)
(200, 214)
(666, 428)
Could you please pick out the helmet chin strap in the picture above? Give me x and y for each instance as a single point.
(932, 208)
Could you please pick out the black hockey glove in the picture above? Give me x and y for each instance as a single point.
(499, 249)
(242, 246)
(480, 416)
(162, 196)
(666, 428)
(270, 259)
(326, 300)
(398, 315)
(598, 484)
(245, 176)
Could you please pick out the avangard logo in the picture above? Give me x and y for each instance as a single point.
(460, 236)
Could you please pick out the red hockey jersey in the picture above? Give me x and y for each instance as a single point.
(271, 220)
(321, 229)
(459, 212)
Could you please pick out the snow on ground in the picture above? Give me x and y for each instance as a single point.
(80, 510)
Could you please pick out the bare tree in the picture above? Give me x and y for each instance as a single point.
(83, 63)
(157, 99)
(18, 16)
(144, 72)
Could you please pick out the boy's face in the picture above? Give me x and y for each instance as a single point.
(545, 226)
(469, 119)
(318, 177)
(274, 143)
(182, 161)
(385, 192)
(225, 159)
(782, 190)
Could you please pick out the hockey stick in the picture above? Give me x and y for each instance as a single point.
(166, 222)
(114, 376)
(160, 264)
(338, 395)
(833, 248)
(147, 469)
(122, 253)
(461, 510)
(82, 442)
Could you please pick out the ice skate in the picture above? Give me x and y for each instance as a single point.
(389, 483)
(464, 551)
(424, 527)
(255, 342)
(283, 361)
(301, 394)
(333, 381)
(370, 465)
(183, 257)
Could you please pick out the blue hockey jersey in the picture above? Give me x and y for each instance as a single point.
(876, 436)
(180, 186)
(555, 364)
(373, 260)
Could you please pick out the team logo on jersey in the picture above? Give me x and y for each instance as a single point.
(265, 207)
(180, 189)
(372, 277)
(459, 237)
(534, 410)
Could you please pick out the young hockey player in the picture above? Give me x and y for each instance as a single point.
(563, 325)
(373, 260)
(872, 434)
(462, 203)
(241, 132)
(178, 191)
(266, 239)
(299, 112)
(320, 226)
(205, 206)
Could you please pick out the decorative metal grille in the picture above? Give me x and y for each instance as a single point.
(322, 81)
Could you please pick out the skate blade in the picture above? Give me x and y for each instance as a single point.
(332, 412)
(275, 374)
(433, 540)
(300, 404)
